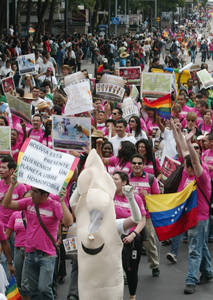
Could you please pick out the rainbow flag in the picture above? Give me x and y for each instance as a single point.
(162, 106)
(12, 290)
(173, 214)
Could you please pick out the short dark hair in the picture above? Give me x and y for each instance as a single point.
(110, 121)
(57, 109)
(5, 120)
(119, 110)
(37, 115)
(123, 121)
(123, 176)
(11, 162)
(137, 155)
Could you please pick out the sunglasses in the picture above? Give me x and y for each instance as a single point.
(114, 113)
(196, 147)
(190, 120)
(137, 163)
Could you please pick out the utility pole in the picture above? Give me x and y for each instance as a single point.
(116, 14)
(66, 18)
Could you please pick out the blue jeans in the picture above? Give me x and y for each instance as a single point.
(73, 286)
(193, 56)
(39, 268)
(175, 242)
(21, 278)
(199, 258)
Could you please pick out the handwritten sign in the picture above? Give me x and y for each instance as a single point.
(45, 168)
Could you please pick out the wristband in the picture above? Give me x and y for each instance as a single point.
(10, 263)
(135, 232)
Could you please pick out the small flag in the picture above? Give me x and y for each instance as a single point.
(12, 290)
(173, 214)
(162, 106)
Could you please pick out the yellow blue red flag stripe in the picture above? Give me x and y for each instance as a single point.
(173, 214)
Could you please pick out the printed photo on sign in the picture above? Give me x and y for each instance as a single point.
(19, 108)
(26, 63)
(8, 85)
(44, 168)
(131, 74)
(109, 91)
(5, 140)
(71, 133)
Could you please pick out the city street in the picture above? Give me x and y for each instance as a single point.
(170, 284)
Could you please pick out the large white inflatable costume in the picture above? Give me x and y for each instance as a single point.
(99, 244)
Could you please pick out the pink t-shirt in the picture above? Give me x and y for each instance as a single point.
(150, 126)
(2, 233)
(36, 135)
(142, 183)
(114, 165)
(206, 128)
(47, 141)
(204, 184)
(185, 109)
(15, 150)
(149, 167)
(51, 213)
(16, 224)
(207, 158)
(18, 193)
(17, 126)
(122, 207)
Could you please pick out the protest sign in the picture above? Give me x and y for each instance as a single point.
(109, 91)
(155, 85)
(74, 78)
(79, 98)
(19, 107)
(130, 74)
(26, 63)
(8, 85)
(5, 140)
(205, 78)
(44, 168)
(70, 243)
(129, 108)
(168, 167)
(71, 132)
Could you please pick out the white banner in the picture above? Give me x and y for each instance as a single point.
(44, 168)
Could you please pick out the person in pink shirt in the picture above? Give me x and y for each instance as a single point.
(7, 168)
(151, 164)
(122, 161)
(132, 241)
(206, 125)
(207, 156)
(181, 100)
(151, 122)
(145, 183)
(17, 223)
(199, 258)
(40, 251)
(6, 249)
(36, 132)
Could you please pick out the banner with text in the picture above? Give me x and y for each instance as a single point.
(45, 168)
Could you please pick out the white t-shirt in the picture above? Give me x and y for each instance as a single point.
(169, 148)
(116, 140)
(44, 67)
(4, 71)
(52, 79)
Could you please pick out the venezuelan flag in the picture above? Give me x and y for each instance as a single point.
(12, 290)
(162, 106)
(173, 214)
